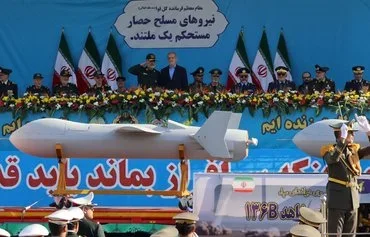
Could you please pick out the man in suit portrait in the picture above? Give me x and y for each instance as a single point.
(173, 76)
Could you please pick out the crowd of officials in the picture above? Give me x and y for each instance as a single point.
(174, 77)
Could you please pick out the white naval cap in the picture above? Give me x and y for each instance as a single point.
(304, 231)
(169, 231)
(84, 201)
(76, 213)
(4, 233)
(34, 230)
(60, 217)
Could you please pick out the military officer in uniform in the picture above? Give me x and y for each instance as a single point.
(281, 84)
(7, 87)
(215, 85)
(343, 169)
(99, 87)
(169, 231)
(198, 86)
(359, 84)
(185, 224)
(58, 221)
(243, 86)
(65, 87)
(73, 226)
(37, 87)
(321, 82)
(306, 86)
(120, 85)
(147, 75)
(87, 227)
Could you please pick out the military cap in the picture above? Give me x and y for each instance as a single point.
(321, 69)
(358, 69)
(150, 56)
(34, 230)
(216, 71)
(98, 74)
(4, 233)
(84, 201)
(349, 124)
(60, 217)
(186, 218)
(304, 231)
(5, 71)
(121, 79)
(65, 73)
(37, 75)
(199, 70)
(76, 213)
(242, 70)
(169, 231)
(282, 69)
(311, 217)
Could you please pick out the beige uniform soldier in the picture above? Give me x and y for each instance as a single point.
(185, 224)
(4, 233)
(311, 217)
(304, 231)
(34, 230)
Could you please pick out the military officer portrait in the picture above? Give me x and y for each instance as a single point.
(243, 86)
(306, 86)
(343, 160)
(37, 88)
(147, 75)
(281, 84)
(65, 87)
(198, 86)
(99, 87)
(321, 83)
(215, 85)
(121, 88)
(358, 84)
(7, 87)
(186, 224)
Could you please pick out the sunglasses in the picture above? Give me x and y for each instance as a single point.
(243, 76)
(306, 77)
(281, 74)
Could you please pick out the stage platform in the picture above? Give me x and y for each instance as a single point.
(103, 215)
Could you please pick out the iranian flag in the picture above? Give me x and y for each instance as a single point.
(88, 65)
(63, 62)
(281, 56)
(262, 65)
(111, 65)
(240, 59)
(243, 184)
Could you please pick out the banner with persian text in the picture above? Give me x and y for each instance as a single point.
(171, 24)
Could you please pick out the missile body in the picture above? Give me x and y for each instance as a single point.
(217, 139)
(312, 138)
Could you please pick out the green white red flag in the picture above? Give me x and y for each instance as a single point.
(88, 64)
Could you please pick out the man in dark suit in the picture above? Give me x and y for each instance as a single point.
(7, 87)
(173, 76)
(343, 169)
(359, 84)
(37, 87)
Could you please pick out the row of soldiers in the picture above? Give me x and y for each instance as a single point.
(320, 83)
